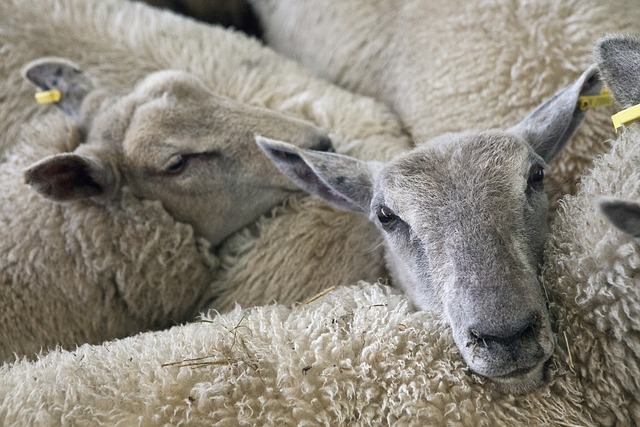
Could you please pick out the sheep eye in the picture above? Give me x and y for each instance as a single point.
(176, 164)
(536, 175)
(386, 216)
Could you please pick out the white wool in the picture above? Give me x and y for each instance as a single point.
(358, 355)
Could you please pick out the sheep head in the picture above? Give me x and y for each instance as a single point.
(170, 139)
(464, 220)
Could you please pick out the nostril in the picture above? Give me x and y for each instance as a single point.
(322, 143)
(526, 333)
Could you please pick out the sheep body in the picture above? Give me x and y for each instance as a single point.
(119, 43)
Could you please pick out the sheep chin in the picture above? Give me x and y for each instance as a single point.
(521, 384)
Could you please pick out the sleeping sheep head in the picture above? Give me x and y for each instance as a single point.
(170, 139)
(464, 221)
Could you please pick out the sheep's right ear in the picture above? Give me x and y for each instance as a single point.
(549, 127)
(71, 176)
(624, 214)
(63, 75)
(343, 181)
(618, 58)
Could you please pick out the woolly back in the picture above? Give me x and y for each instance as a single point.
(592, 275)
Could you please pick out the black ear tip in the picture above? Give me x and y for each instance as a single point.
(30, 175)
(323, 143)
(605, 204)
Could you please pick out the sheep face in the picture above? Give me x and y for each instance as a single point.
(464, 221)
(172, 140)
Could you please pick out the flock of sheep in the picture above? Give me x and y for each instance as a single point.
(168, 183)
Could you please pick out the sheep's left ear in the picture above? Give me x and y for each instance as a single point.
(624, 214)
(618, 58)
(343, 181)
(550, 126)
(72, 176)
(63, 75)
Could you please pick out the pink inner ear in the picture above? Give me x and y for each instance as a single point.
(64, 178)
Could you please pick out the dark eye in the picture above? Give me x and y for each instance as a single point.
(386, 216)
(176, 164)
(536, 175)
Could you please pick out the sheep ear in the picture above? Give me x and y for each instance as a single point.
(343, 181)
(618, 58)
(624, 214)
(550, 126)
(71, 176)
(63, 75)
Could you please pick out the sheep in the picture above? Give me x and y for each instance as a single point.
(119, 43)
(360, 355)
(464, 222)
(169, 140)
(593, 269)
(128, 251)
(451, 66)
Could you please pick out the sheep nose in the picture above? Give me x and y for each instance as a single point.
(515, 333)
(322, 143)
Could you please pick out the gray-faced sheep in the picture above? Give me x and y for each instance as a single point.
(464, 221)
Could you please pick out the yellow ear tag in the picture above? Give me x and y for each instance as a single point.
(626, 117)
(592, 101)
(48, 96)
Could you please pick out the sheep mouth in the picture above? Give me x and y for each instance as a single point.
(512, 370)
(515, 374)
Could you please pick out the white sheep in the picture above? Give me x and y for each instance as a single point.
(169, 140)
(359, 355)
(457, 65)
(127, 265)
(464, 222)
